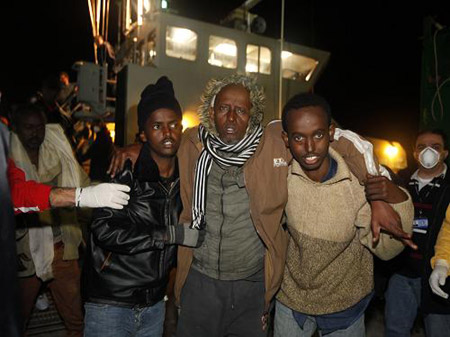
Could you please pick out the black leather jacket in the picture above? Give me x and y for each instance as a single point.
(128, 262)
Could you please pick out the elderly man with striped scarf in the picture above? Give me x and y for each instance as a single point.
(233, 186)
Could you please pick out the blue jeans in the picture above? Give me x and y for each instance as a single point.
(286, 326)
(402, 303)
(437, 325)
(102, 320)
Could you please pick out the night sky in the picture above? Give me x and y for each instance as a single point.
(372, 80)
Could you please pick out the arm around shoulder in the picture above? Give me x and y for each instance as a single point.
(357, 153)
(187, 158)
(388, 247)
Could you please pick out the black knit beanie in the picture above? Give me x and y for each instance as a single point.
(157, 96)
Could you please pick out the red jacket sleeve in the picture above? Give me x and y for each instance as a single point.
(27, 196)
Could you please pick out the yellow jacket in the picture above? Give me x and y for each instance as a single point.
(442, 247)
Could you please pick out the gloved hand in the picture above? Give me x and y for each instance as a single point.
(186, 236)
(438, 277)
(102, 195)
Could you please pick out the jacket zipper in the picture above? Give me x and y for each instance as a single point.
(168, 192)
(221, 226)
(167, 221)
(106, 261)
(250, 205)
(167, 218)
(267, 266)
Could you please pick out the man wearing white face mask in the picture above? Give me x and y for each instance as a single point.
(408, 288)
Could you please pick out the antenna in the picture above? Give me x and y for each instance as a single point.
(280, 83)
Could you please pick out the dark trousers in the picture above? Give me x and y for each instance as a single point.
(65, 289)
(211, 307)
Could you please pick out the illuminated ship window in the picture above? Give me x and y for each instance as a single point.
(181, 43)
(222, 52)
(297, 67)
(258, 59)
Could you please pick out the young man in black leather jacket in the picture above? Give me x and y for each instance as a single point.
(132, 251)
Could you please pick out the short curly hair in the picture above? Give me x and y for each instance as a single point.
(24, 110)
(302, 101)
(214, 86)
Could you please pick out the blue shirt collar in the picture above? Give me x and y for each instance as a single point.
(331, 170)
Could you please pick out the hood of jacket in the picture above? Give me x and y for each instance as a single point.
(214, 86)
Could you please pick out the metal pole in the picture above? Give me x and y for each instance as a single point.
(94, 33)
(103, 19)
(98, 10)
(120, 16)
(107, 19)
(280, 83)
(91, 15)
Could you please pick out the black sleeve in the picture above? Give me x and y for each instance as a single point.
(128, 230)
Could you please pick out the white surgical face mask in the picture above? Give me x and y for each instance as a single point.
(429, 157)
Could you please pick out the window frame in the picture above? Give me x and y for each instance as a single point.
(180, 57)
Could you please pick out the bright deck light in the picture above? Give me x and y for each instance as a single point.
(391, 151)
(112, 130)
(190, 119)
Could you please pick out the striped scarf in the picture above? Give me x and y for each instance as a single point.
(241, 151)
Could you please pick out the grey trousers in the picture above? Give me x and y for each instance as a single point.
(215, 308)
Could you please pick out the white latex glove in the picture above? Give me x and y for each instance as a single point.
(102, 195)
(438, 277)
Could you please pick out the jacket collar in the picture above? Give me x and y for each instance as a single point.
(442, 175)
(146, 169)
(192, 136)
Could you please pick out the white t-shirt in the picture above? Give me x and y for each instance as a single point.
(425, 181)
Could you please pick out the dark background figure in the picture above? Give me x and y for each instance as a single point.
(105, 54)
(46, 98)
(67, 92)
(99, 152)
(408, 292)
(9, 292)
